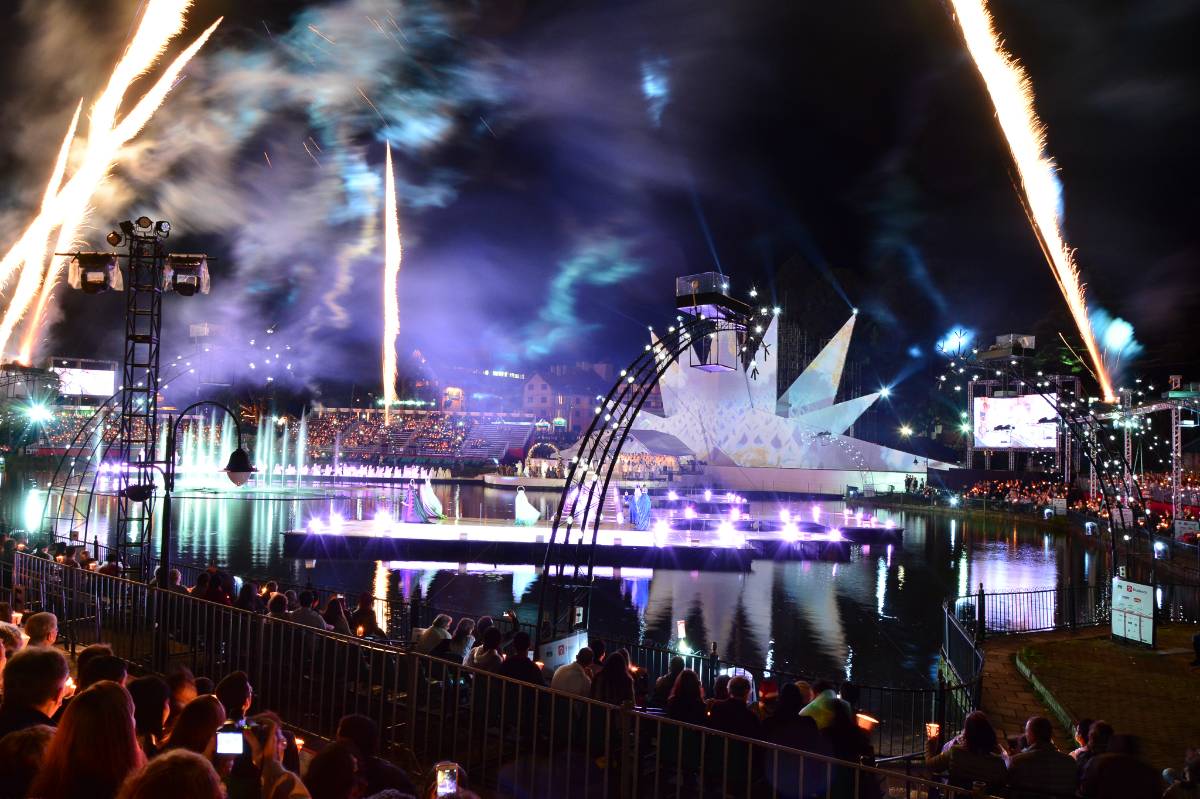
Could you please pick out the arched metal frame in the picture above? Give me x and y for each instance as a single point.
(568, 566)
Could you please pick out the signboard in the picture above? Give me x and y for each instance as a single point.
(1028, 422)
(1060, 505)
(1133, 611)
(86, 382)
(1186, 527)
(562, 651)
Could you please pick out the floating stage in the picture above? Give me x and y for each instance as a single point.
(693, 544)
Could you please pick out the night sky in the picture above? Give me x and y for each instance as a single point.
(560, 163)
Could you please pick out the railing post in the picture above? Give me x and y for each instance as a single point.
(627, 756)
(939, 710)
(980, 616)
(1070, 605)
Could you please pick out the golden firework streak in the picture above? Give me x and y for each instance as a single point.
(391, 274)
(1012, 98)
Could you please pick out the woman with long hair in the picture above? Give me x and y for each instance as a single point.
(458, 646)
(248, 598)
(94, 749)
(686, 702)
(335, 615)
(197, 724)
(974, 756)
(179, 774)
(613, 683)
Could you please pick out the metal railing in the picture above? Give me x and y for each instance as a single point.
(1065, 607)
(510, 736)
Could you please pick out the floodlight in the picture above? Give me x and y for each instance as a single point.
(95, 272)
(144, 222)
(114, 239)
(138, 493)
(186, 274)
(38, 413)
(162, 228)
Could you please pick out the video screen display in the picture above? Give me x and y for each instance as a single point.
(1028, 422)
(86, 382)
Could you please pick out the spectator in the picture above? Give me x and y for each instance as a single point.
(204, 686)
(787, 727)
(482, 626)
(335, 616)
(275, 782)
(277, 607)
(21, 755)
(459, 645)
(1099, 734)
(183, 690)
(686, 700)
(112, 565)
(94, 749)
(613, 684)
(174, 582)
(151, 708)
(821, 707)
(733, 715)
(236, 695)
(380, 775)
(720, 690)
(518, 666)
(11, 638)
(90, 653)
(664, 684)
(293, 600)
(1186, 788)
(35, 684)
(975, 756)
(597, 645)
(433, 635)
(1040, 767)
(363, 621)
(806, 692)
(42, 629)
(201, 586)
(104, 667)
(218, 591)
(306, 612)
(1082, 727)
(333, 773)
(1120, 773)
(573, 678)
(248, 598)
(197, 724)
(179, 774)
(486, 656)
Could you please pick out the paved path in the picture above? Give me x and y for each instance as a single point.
(1008, 698)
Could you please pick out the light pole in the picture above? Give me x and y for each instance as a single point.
(238, 469)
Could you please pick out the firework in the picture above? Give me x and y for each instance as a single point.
(1012, 97)
(391, 273)
(68, 208)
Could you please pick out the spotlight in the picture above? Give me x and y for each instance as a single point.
(885, 392)
(144, 222)
(114, 239)
(854, 311)
(138, 493)
(162, 228)
(38, 413)
(95, 272)
(239, 468)
(186, 273)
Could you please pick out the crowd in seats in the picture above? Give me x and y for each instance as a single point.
(1018, 492)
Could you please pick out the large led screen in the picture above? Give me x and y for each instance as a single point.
(1028, 422)
(86, 382)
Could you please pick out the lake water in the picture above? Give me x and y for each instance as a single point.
(875, 618)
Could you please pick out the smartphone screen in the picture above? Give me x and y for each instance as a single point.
(447, 780)
(230, 743)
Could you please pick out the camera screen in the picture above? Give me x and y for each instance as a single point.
(229, 743)
(447, 781)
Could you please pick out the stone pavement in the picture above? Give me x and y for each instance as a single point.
(1008, 698)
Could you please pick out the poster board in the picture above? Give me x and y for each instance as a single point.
(1185, 527)
(1133, 611)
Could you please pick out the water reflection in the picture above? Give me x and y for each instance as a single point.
(874, 618)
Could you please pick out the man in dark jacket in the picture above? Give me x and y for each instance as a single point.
(35, 684)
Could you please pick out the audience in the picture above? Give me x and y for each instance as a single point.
(94, 749)
(363, 620)
(335, 616)
(786, 727)
(196, 724)
(458, 646)
(573, 678)
(613, 684)
(1040, 767)
(236, 695)
(1120, 773)
(733, 715)
(434, 634)
(151, 708)
(486, 656)
(42, 629)
(21, 755)
(178, 774)
(974, 756)
(182, 683)
(35, 685)
(379, 775)
(686, 700)
(518, 666)
(664, 684)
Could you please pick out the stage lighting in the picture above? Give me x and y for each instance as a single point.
(138, 493)
(38, 413)
(885, 392)
(95, 272)
(906, 431)
(114, 239)
(186, 274)
(144, 222)
(162, 228)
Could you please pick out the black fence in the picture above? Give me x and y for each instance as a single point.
(512, 737)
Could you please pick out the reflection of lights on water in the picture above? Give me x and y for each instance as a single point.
(689, 512)
(785, 515)
(707, 495)
(672, 496)
(660, 532)
(889, 555)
